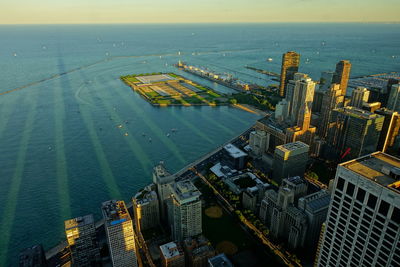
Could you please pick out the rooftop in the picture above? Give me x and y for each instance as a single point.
(79, 222)
(185, 191)
(115, 212)
(234, 151)
(220, 261)
(378, 167)
(161, 171)
(357, 113)
(293, 146)
(170, 250)
(145, 196)
(154, 78)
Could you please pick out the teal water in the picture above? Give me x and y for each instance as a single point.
(61, 152)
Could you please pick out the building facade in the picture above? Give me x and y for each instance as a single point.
(172, 255)
(359, 96)
(162, 179)
(81, 238)
(258, 143)
(331, 100)
(394, 98)
(146, 208)
(184, 210)
(290, 65)
(342, 75)
(290, 160)
(120, 234)
(363, 223)
(390, 129)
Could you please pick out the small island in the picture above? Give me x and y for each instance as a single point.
(165, 89)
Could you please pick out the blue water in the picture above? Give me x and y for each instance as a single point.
(61, 152)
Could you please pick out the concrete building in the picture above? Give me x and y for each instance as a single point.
(120, 234)
(184, 210)
(281, 110)
(234, 157)
(146, 208)
(390, 129)
(290, 65)
(258, 142)
(162, 179)
(33, 257)
(172, 255)
(290, 160)
(197, 251)
(317, 101)
(279, 213)
(394, 98)
(221, 260)
(342, 75)
(332, 99)
(81, 238)
(353, 132)
(359, 96)
(363, 223)
(315, 207)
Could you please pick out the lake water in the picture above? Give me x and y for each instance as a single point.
(61, 151)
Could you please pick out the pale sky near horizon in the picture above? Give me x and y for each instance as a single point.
(198, 11)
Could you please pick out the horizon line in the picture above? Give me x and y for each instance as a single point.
(183, 23)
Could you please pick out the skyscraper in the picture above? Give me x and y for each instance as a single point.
(359, 96)
(363, 223)
(184, 210)
(162, 179)
(258, 141)
(81, 237)
(342, 75)
(33, 257)
(290, 160)
(394, 98)
(354, 132)
(331, 100)
(326, 80)
(290, 65)
(172, 255)
(120, 234)
(146, 209)
(390, 129)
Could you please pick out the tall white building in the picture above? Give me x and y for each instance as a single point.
(394, 98)
(363, 224)
(184, 210)
(120, 234)
(359, 96)
(162, 179)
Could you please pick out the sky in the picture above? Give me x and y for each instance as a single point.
(196, 11)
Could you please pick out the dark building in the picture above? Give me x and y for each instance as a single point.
(234, 157)
(290, 65)
(390, 129)
(342, 75)
(81, 237)
(33, 257)
(353, 132)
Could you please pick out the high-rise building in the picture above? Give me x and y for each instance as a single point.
(81, 238)
(290, 160)
(394, 98)
(371, 107)
(282, 110)
(162, 179)
(317, 101)
(146, 208)
(354, 132)
(390, 129)
(342, 75)
(234, 157)
(363, 223)
(326, 80)
(282, 217)
(221, 260)
(184, 210)
(359, 96)
(120, 234)
(332, 99)
(290, 65)
(315, 207)
(172, 255)
(33, 257)
(258, 141)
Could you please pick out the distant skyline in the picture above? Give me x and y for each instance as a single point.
(186, 11)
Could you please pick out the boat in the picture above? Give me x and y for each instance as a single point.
(269, 59)
(126, 134)
(168, 134)
(120, 126)
(150, 139)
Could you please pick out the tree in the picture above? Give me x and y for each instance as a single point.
(233, 101)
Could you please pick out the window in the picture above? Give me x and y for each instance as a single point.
(384, 208)
(360, 195)
(396, 215)
(372, 201)
(340, 184)
(350, 189)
